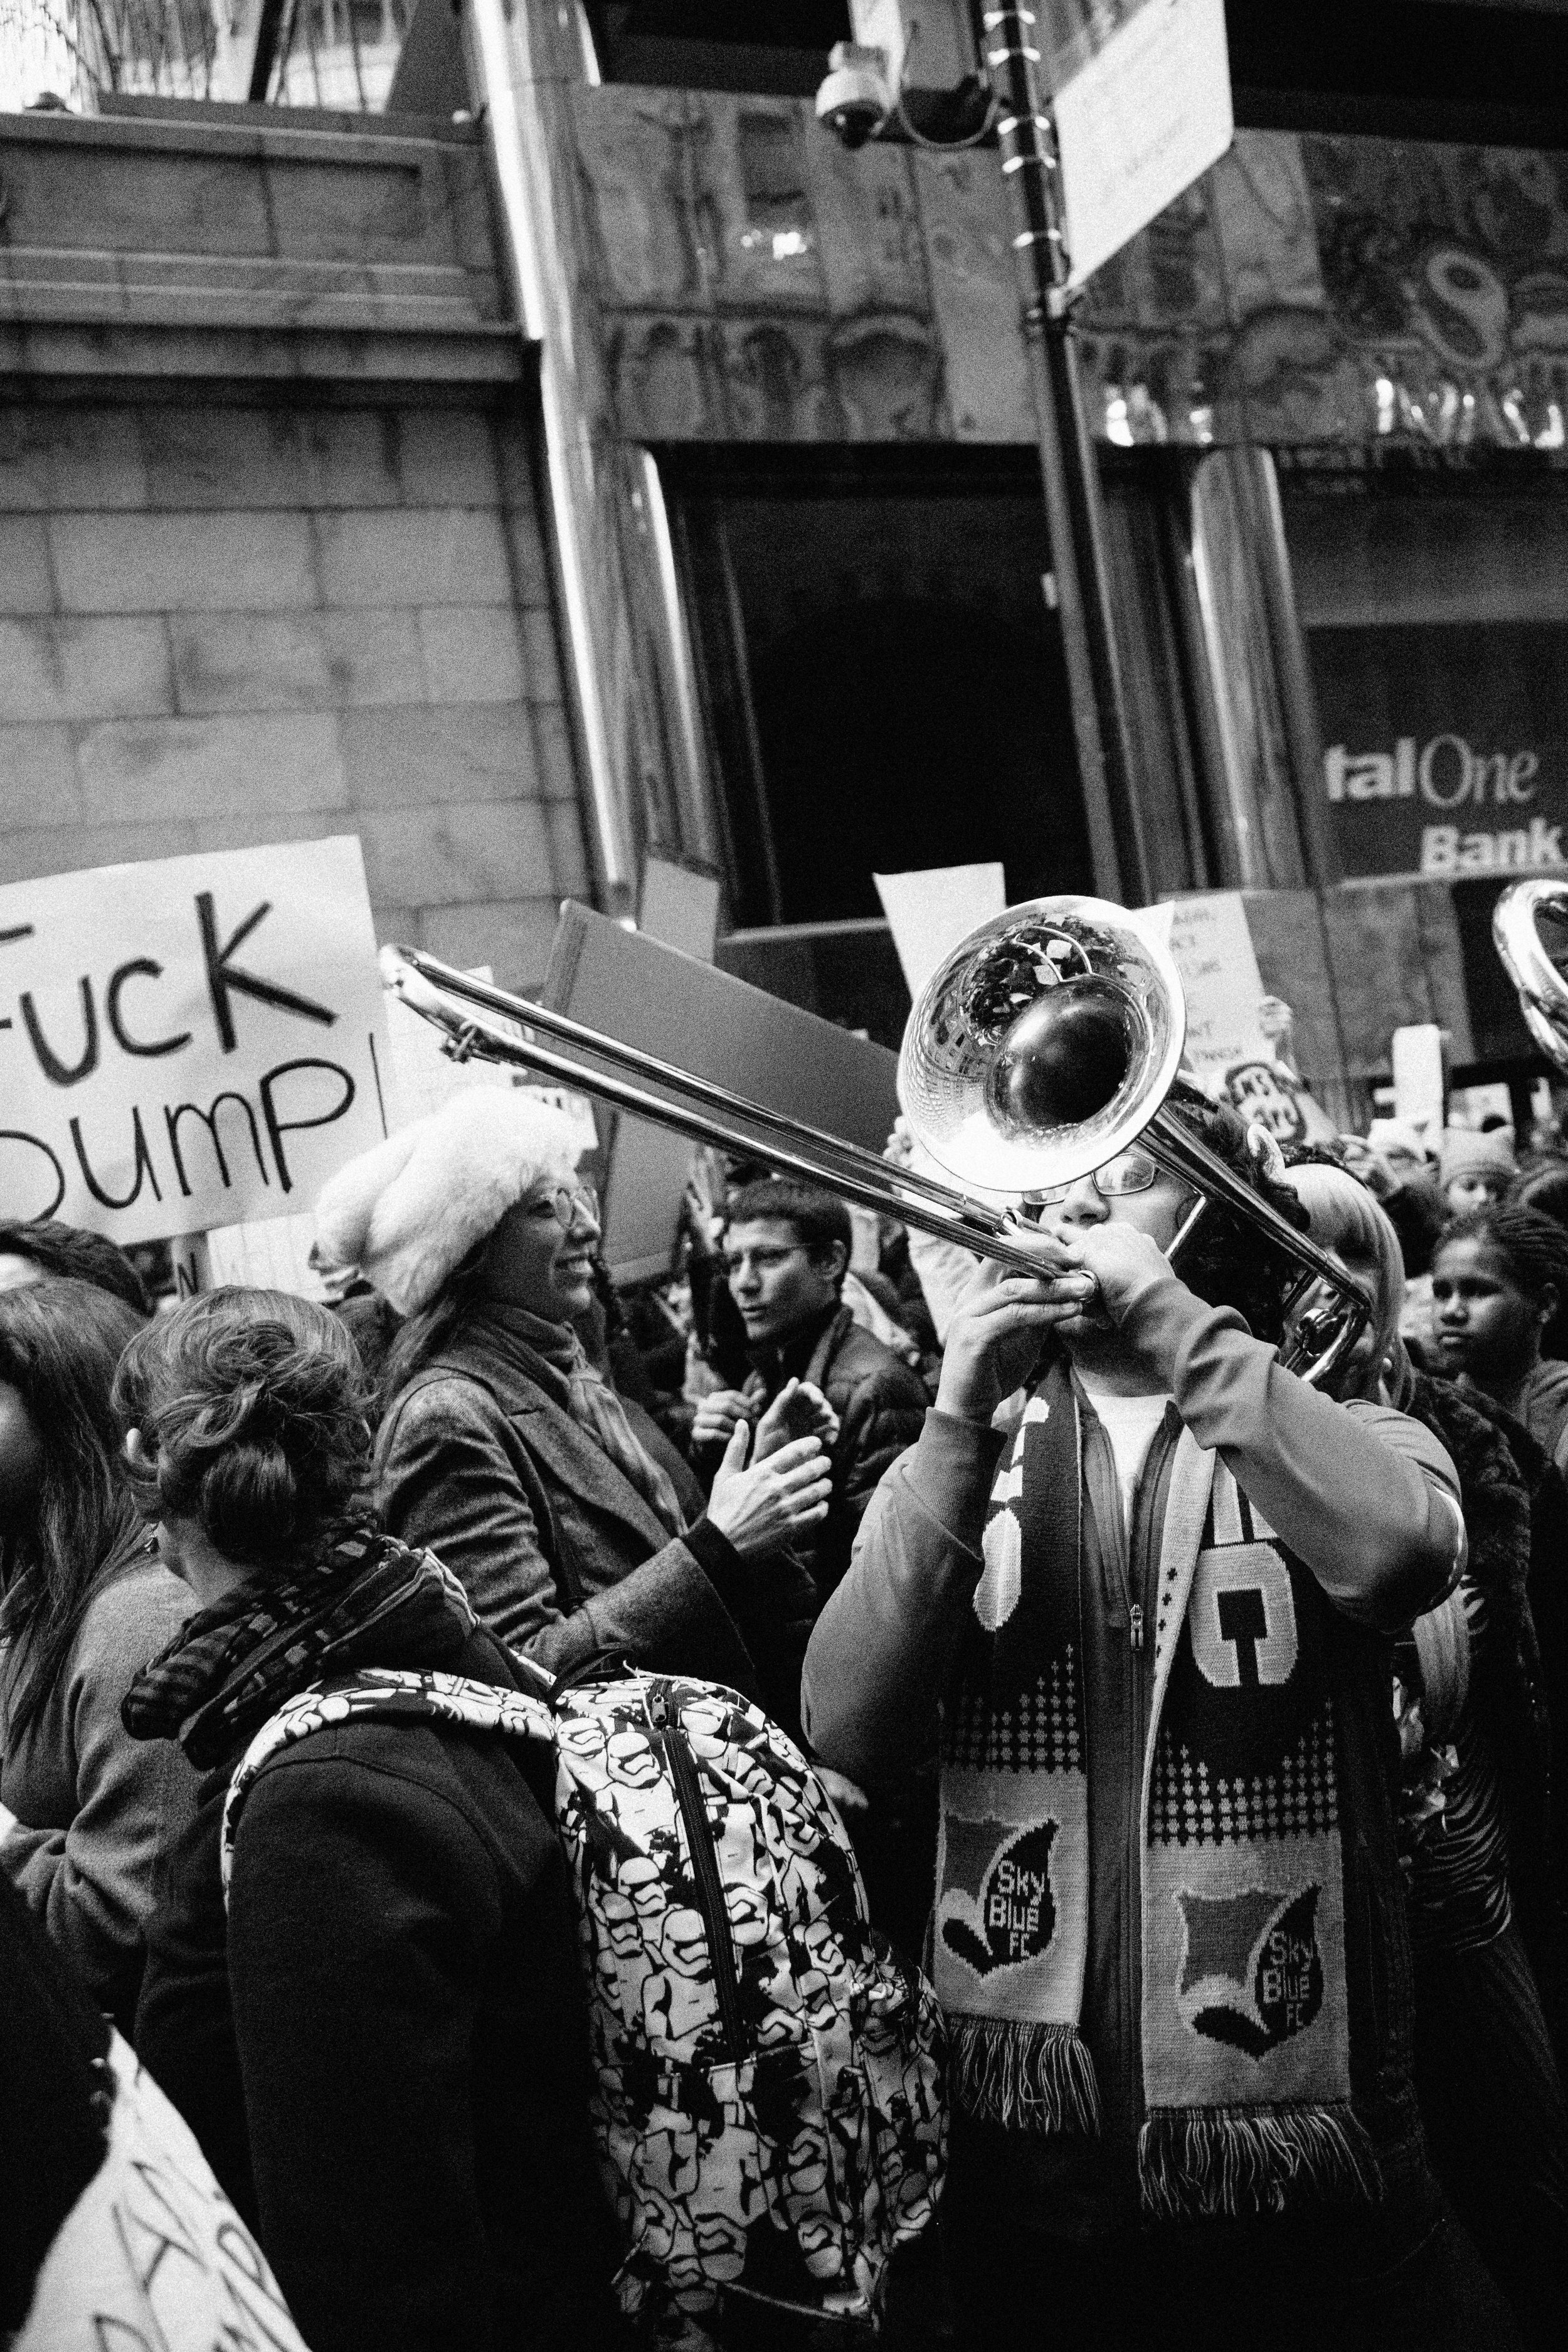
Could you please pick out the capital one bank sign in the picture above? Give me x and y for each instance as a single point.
(1444, 761)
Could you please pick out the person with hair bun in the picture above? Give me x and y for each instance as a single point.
(383, 2048)
(82, 1609)
(577, 1530)
(1500, 1285)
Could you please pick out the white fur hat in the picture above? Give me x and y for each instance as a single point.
(408, 1213)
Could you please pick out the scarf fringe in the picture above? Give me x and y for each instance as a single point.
(1224, 2163)
(1030, 2078)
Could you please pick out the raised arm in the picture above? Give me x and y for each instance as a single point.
(878, 1654)
(453, 1476)
(448, 1481)
(1366, 1498)
(877, 1659)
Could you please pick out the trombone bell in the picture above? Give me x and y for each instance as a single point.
(1042, 1047)
(1543, 988)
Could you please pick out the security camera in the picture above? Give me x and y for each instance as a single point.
(855, 99)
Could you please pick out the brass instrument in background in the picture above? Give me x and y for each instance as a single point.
(1543, 988)
(1045, 1043)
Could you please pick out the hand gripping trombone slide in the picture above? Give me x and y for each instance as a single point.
(1044, 1044)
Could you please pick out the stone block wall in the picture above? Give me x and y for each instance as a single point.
(223, 624)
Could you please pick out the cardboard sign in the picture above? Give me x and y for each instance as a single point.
(647, 1167)
(1214, 953)
(1145, 117)
(701, 1021)
(931, 912)
(1226, 1042)
(1421, 1078)
(189, 1043)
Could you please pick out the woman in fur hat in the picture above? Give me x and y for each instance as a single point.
(576, 1529)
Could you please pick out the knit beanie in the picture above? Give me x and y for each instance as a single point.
(408, 1213)
(1468, 1151)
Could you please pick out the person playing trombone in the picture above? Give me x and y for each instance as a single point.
(1134, 1582)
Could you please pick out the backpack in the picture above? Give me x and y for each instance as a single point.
(769, 2103)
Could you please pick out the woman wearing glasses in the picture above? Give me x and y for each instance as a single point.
(574, 1523)
(1131, 1586)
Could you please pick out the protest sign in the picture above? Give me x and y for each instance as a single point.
(1218, 963)
(647, 1167)
(188, 1043)
(1227, 1043)
(932, 911)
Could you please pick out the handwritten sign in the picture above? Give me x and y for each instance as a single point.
(188, 1043)
(1227, 1043)
(1218, 963)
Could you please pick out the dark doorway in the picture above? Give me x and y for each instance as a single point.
(898, 734)
(881, 671)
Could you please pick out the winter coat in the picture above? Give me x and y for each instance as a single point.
(92, 1804)
(560, 1555)
(383, 2049)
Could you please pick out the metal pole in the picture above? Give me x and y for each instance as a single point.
(1008, 43)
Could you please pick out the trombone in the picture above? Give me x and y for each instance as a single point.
(1543, 990)
(1044, 1044)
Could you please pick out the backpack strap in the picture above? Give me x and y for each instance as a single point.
(382, 1694)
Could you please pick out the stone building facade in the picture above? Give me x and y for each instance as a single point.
(271, 559)
(622, 476)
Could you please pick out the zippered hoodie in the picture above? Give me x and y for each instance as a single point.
(1365, 1498)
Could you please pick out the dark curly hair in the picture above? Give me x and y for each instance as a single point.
(1534, 1248)
(59, 1344)
(78, 1256)
(1227, 1261)
(252, 1410)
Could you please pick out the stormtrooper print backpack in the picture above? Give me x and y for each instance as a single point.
(769, 2103)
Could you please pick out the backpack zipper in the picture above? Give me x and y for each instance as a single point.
(672, 1737)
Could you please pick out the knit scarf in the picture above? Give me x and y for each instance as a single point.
(553, 1355)
(231, 1666)
(1244, 2020)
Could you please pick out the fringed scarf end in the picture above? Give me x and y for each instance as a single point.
(1224, 2163)
(1029, 2077)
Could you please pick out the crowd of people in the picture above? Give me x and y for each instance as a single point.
(1201, 1727)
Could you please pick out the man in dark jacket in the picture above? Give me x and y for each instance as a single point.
(786, 1251)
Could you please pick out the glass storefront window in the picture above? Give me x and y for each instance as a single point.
(1435, 614)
